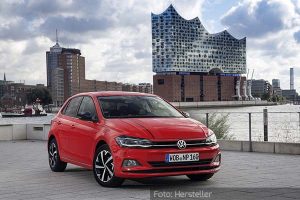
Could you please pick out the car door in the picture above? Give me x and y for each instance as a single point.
(84, 134)
(67, 123)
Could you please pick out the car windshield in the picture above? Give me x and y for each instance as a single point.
(136, 107)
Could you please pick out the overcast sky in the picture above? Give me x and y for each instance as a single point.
(115, 35)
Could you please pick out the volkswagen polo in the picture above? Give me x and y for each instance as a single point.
(125, 135)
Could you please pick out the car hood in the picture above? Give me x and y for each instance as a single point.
(161, 128)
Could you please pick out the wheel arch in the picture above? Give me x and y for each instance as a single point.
(51, 137)
(99, 144)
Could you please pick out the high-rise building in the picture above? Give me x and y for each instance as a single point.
(193, 65)
(65, 71)
(275, 83)
(276, 87)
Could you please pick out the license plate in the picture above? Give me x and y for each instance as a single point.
(182, 157)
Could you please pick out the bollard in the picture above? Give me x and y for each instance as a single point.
(207, 120)
(265, 113)
(250, 134)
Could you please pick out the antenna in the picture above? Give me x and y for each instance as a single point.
(252, 75)
(247, 74)
(56, 36)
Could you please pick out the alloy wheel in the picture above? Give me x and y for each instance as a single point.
(52, 154)
(104, 167)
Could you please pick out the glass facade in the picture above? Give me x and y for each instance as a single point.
(180, 45)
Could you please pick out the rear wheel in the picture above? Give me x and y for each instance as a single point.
(104, 168)
(199, 177)
(55, 163)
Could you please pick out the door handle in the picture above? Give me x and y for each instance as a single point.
(59, 122)
(72, 126)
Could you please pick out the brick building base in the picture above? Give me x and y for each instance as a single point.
(195, 88)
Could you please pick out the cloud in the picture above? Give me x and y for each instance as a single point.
(114, 36)
(256, 18)
(297, 36)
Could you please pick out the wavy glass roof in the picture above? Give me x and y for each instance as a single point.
(180, 45)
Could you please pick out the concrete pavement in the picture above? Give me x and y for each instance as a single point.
(25, 174)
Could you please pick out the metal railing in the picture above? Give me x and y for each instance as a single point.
(259, 126)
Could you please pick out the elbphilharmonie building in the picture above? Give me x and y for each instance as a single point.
(185, 45)
(184, 51)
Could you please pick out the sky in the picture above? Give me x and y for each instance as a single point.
(114, 36)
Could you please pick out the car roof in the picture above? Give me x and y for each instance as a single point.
(114, 93)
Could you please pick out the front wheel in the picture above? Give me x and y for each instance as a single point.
(55, 163)
(104, 168)
(200, 177)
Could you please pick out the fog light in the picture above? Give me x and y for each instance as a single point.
(217, 160)
(130, 163)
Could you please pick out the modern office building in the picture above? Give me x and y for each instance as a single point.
(193, 65)
(290, 95)
(275, 83)
(261, 87)
(277, 91)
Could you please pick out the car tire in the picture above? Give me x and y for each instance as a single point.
(103, 168)
(55, 163)
(199, 177)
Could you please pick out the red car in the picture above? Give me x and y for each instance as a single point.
(122, 135)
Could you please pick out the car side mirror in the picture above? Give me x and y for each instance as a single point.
(87, 116)
(186, 114)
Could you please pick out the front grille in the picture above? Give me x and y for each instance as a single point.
(173, 144)
(168, 164)
(166, 170)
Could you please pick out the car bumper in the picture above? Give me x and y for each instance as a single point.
(152, 162)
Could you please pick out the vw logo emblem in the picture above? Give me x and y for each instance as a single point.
(181, 144)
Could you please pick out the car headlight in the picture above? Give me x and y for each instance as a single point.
(211, 137)
(125, 141)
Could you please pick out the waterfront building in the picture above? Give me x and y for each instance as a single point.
(65, 71)
(277, 91)
(290, 95)
(15, 94)
(275, 83)
(261, 87)
(193, 65)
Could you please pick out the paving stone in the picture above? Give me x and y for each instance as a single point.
(25, 174)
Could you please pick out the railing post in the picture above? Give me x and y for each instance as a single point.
(207, 120)
(250, 134)
(299, 120)
(265, 113)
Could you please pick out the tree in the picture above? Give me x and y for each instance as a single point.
(42, 93)
(265, 96)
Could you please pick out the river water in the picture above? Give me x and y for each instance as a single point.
(283, 121)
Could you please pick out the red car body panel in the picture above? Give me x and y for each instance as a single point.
(77, 140)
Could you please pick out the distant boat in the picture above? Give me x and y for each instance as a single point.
(34, 110)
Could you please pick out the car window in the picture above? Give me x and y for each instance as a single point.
(87, 105)
(72, 107)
